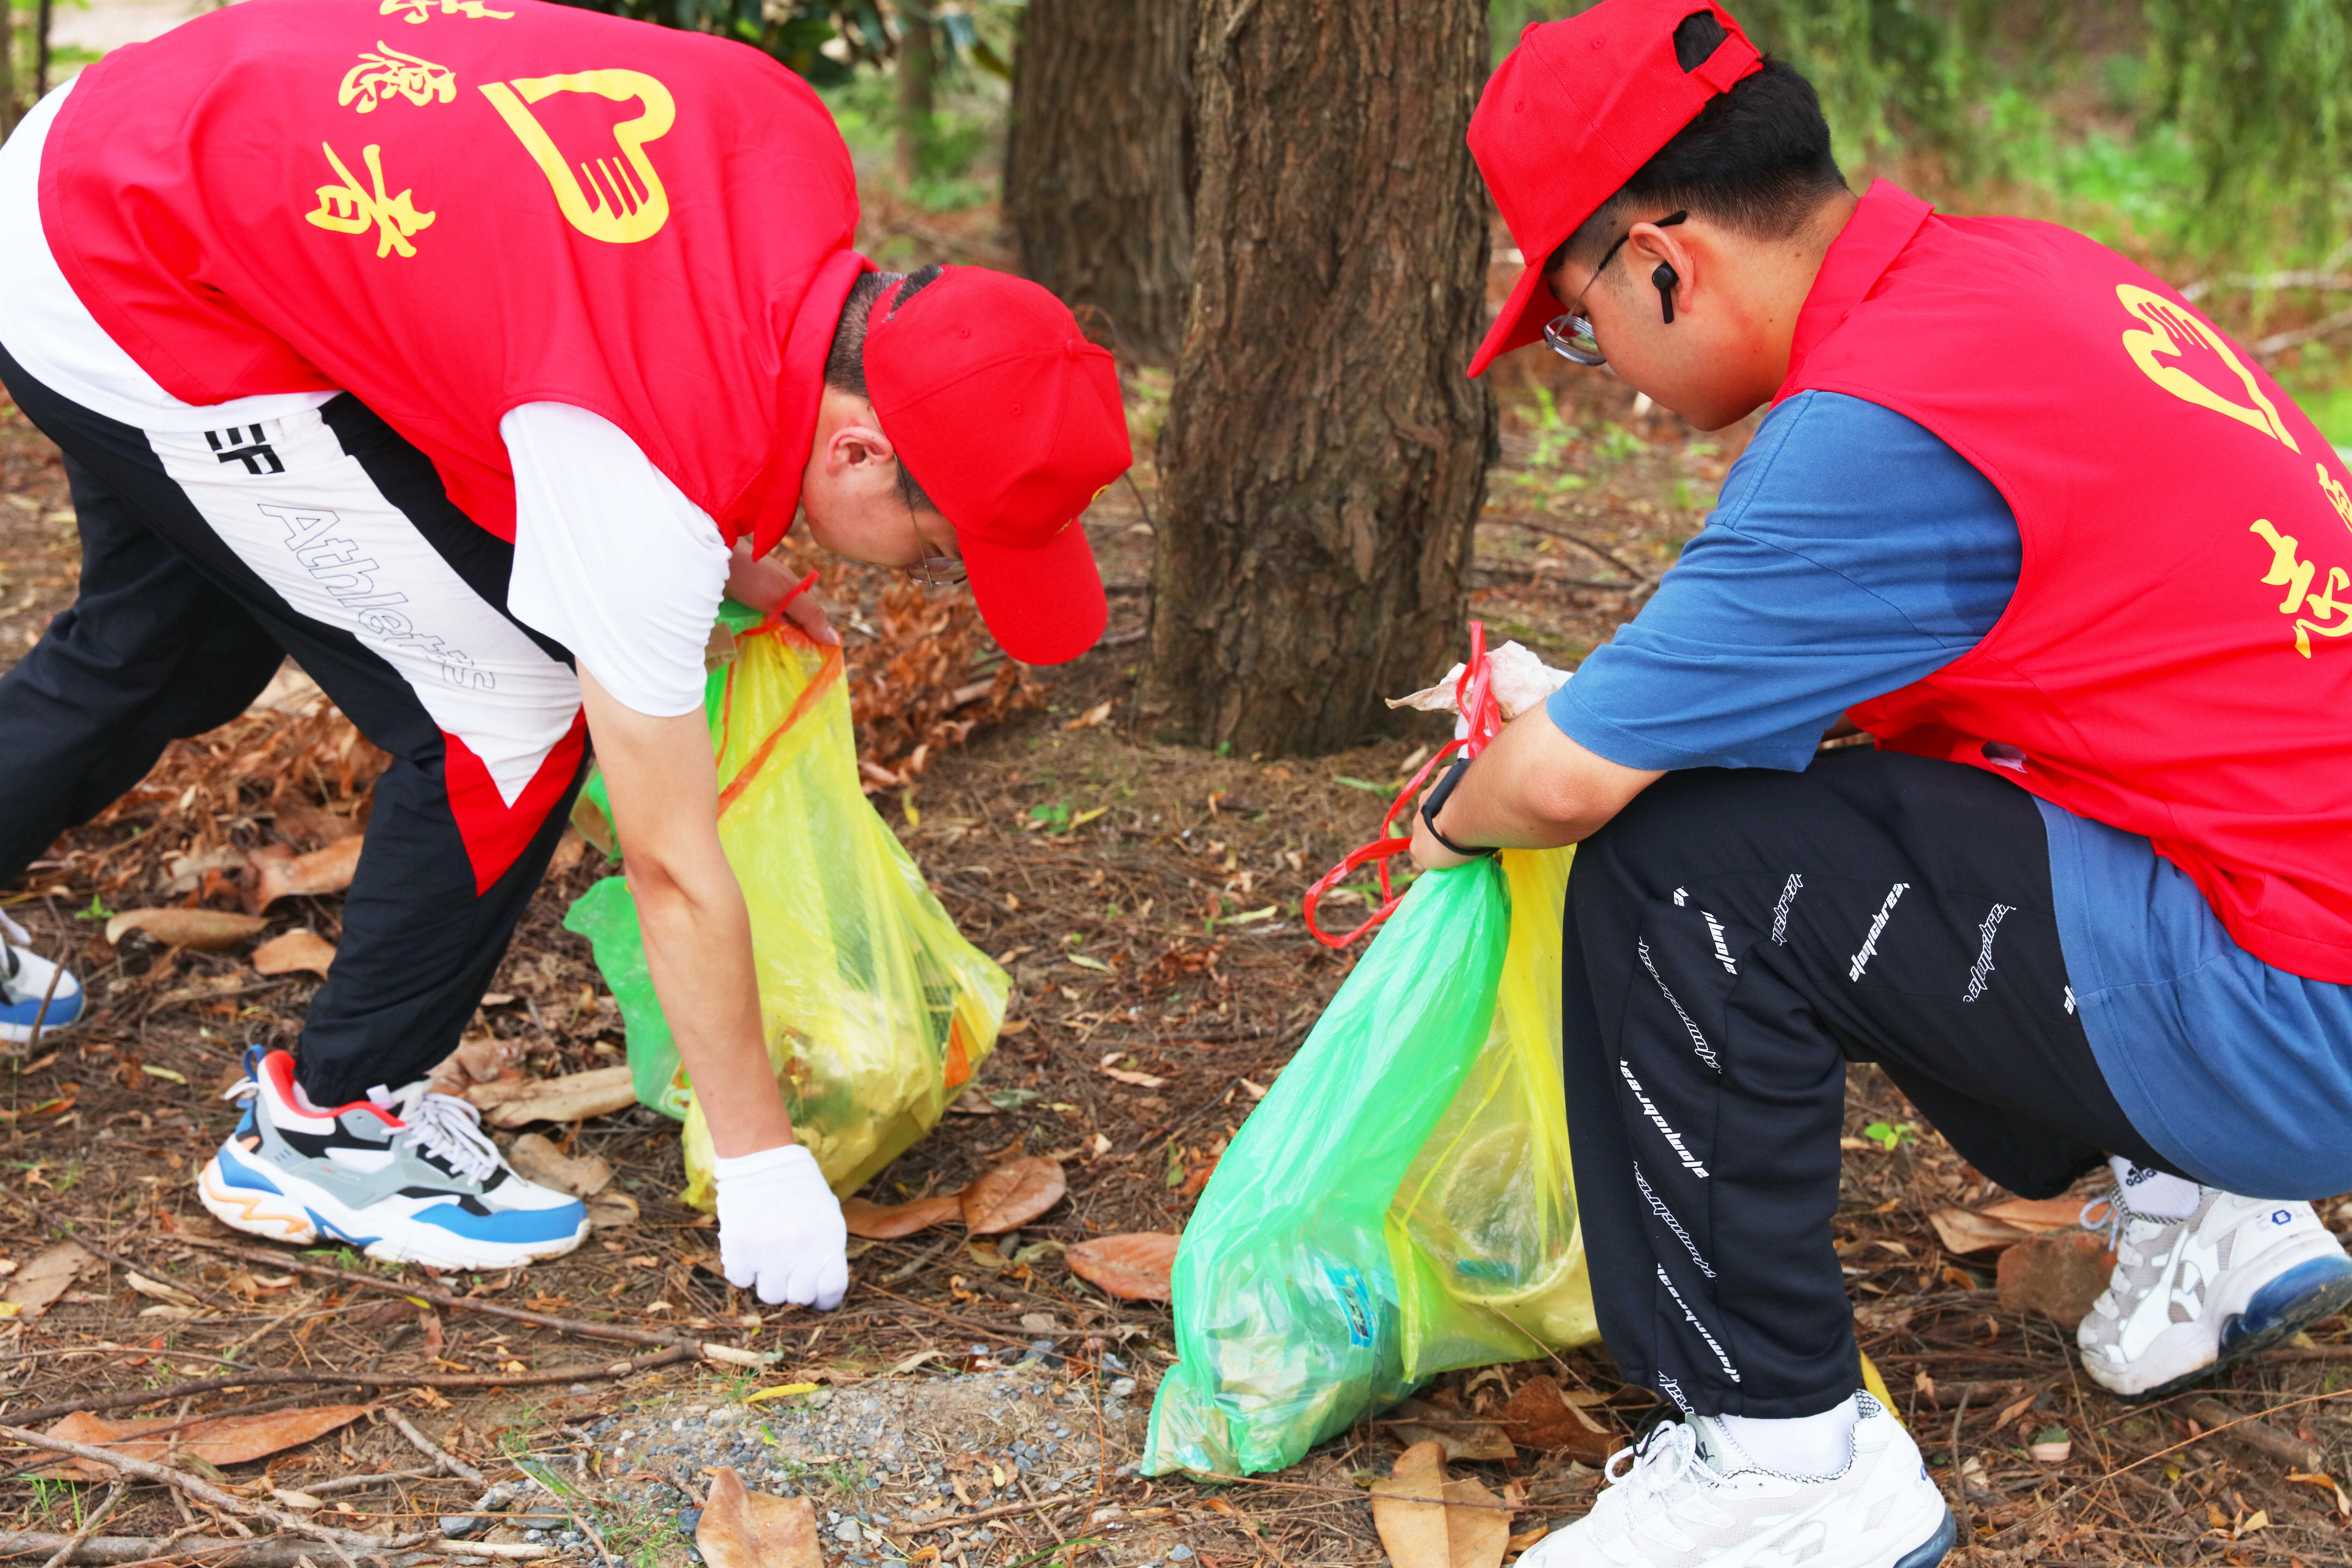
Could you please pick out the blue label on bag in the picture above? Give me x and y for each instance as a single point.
(1355, 1298)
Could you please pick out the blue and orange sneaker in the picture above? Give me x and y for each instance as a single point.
(36, 995)
(405, 1175)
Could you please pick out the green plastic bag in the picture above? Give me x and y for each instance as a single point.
(875, 1010)
(1401, 1204)
(1287, 1322)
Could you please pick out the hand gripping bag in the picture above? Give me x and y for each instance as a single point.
(877, 1011)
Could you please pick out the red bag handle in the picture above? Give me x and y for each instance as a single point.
(1474, 694)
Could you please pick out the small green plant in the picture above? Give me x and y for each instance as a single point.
(96, 910)
(1892, 1137)
(1052, 817)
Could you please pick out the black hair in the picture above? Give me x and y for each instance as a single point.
(1757, 158)
(845, 362)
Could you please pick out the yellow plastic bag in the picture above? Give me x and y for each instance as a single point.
(875, 1010)
(1482, 1231)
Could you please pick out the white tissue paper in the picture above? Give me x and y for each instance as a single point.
(1520, 681)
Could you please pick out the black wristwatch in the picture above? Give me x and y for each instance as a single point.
(1437, 802)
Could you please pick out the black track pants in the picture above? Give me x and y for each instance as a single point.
(1733, 940)
(207, 560)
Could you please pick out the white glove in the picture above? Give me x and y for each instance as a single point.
(779, 1229)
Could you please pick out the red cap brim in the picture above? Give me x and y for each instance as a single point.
(1521, 322)
(1043, 605)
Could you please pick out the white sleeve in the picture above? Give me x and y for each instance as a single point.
(611, 559)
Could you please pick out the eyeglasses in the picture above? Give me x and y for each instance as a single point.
(937, 572)
(1570, 335)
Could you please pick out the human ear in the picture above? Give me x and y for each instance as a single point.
(859, 448)
(1669, 262)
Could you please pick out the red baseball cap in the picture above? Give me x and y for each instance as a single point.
(1013, 424)
(1572, 114)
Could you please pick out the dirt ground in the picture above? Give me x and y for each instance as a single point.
(972, 1402)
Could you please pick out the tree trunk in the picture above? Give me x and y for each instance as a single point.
(1097, 177)
(917, 68)
(1324, 458)
(7, 68)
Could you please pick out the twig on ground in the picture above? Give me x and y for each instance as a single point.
(144, 1433)
(1960, 1478)
(204, 1491)
(447, 1299)
(708, 1350)
(958, 1521)
(95, 1402)
(2044, 1510)
(267, 1551)
(1639, 576)
(66, 1228)
(342, 1484)
(434, 1451)
(96, 1517)
(2214, 1415)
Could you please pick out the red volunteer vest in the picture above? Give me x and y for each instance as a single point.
(2176, 659)
(449, 207)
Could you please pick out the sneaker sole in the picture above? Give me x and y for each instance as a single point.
(2282, 1309)
(281, 1216)
(1933, 1550)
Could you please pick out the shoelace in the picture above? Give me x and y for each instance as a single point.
(1656, 1462)
(444, 1124)
(449, 1127)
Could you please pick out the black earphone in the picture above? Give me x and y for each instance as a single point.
(1665, 279)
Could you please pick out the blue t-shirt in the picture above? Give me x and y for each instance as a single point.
(1854, 552)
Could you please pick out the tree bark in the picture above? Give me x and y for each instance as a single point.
(918, 72)
(1097, 177)
(1324, 458)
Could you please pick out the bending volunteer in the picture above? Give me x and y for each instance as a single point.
(2078, 567)
(469, 353)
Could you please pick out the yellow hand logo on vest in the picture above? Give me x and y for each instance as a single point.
(2172, 331)
(615, 200)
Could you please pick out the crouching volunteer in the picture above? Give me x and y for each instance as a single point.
(2080, 569)
(450, 346)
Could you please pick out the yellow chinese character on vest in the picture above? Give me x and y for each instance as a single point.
(387, 73)
(353, 208)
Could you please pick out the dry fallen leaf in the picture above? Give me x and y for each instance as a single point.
(160, 1290)
(46, 1275)
(1013, 1193)
(877, 1222)
(221, 1440)
(1541, 1417)
(1457, 1437)
(1427, 1521)
(1134, 1266)
(611, 1210)
(1962, 1231)
(2039, 1214)
(482, 1059)
(568, 851)
(743, 1529)
(536, 1158)
(569, 1098)
(327, 871)
(185, 928)
(295, 950)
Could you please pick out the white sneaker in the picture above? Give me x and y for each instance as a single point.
(408, 1177)
(34, 993)
(1671, 1508)
(2190, 1295)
